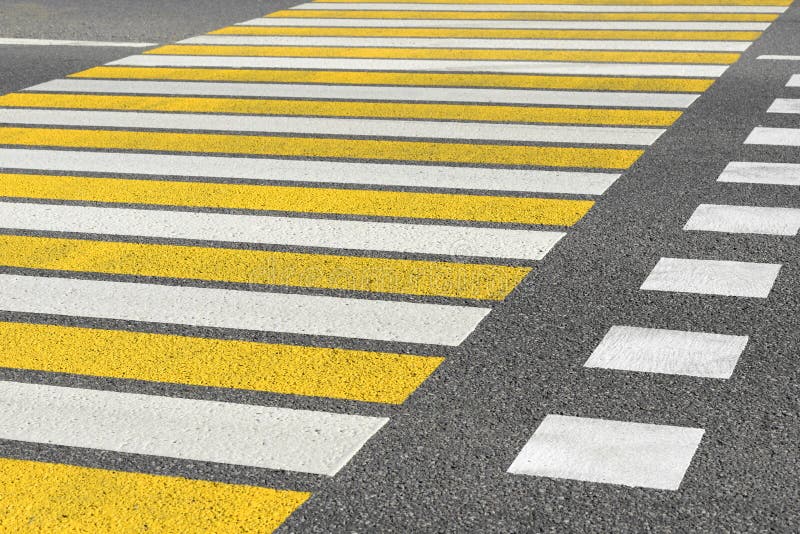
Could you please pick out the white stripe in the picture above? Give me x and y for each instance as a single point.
(611, 452)
(794, 81)
(511, 44)
(443, 65)
(650, 350)
(428, 176)
(374, 92)
(290, 231)
(780, 57)
(572, 8)
(746, 172)
(202, 430)
(510, 24)
(762, 135)
(58, 42)
(711, 277)
(745, 220)
(785, 105)
(335, 126)
(405, 322)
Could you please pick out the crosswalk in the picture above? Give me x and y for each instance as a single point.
(315, 203)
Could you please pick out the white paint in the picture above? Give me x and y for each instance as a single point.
(780, 57)
(712, 277)
(288, 170)
(405, 322)
(201, 430)
(542, 8)
(610, 452)
(762, 135)
(650, 350)
(375, 92)
(509, 44)
(438, 65)
(794, 81)
(339, 235)
(745, 219)
(14, 41)
(510, 24)
(747, 172)
(785, 105)
(266, 124)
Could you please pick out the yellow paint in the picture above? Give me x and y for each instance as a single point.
(521, 210)
(286, 369)
(516, 15)
(394, 110)
(488, 33)
(459, 280)
(548, 156)
(685, 85)
(45, 497)
(589, 2)
(601, 56)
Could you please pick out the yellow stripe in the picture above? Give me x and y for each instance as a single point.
(688, 85)
(548, 156)
(45, 497)
(480, 33)
(515, 15)
(287, 369)
(585, 2)
(521, 114)
(299, 199)
(469, 281)
(451, 53)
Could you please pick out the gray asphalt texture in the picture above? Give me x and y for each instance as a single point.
(440, 464)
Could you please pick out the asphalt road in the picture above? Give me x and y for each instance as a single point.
(440, 463)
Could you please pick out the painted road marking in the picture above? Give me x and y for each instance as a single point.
(476, 178)
(522, 210)
(591, 2)
(512, 44)
(332, 108)
(711, 277)
(335, 126)
(602, 99)
(288, 369)
(794, 81)
(650, 350)
(300, 232)
(425, 80)
(529, 16)
(748, 172)
(511, 7)
(745, 220)
(379, 275)
(45, 497)
(780, 57)
(610, 452)
(774, 136)
(14, 41)
(512, 24)
(546, 156)
(446, 65)
(785, 105)
(240, 434)
(406, 322)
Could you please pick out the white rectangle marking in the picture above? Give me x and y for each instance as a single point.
(794, 81)
(785, 105)
(508, 44)
(753, 172)
(610, 452)
(287, 170)
(201, 430)
(375, 92)
(780, 57)
(745, 220)
(712, 277)
(433, 65)
(530, 133)
(675, 352)
(338, 235)
(405, 322)
(762, 135)
(14, 41)
(542, 8)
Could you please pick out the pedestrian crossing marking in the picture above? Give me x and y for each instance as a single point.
(288, 369)
(547, 156)
(46, 497)
(586, 2)
(495, 15)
